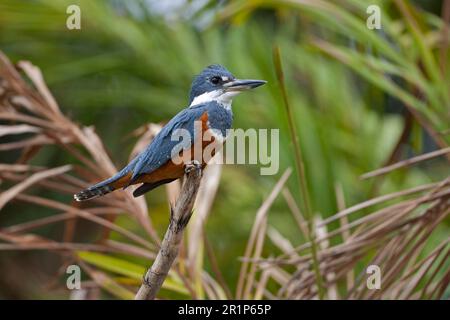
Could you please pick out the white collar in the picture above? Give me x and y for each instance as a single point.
(224, 99)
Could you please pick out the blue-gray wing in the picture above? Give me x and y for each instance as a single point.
(159, 151)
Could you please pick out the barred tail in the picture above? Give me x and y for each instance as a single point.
(93, 192)
(121, 179)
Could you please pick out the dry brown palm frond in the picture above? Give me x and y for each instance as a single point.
(394, 237)
(29, 112)
(406, 163)
(256, 241)
(23, 106)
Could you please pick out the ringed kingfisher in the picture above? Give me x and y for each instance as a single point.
(209, 104)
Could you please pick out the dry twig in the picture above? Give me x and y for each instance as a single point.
(179, 218)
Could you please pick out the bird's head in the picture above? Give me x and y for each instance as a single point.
(216, 83)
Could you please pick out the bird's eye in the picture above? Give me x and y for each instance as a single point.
(215, 80)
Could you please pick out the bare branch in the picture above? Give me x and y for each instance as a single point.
(179, 218)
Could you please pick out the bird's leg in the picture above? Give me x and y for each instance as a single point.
(194, 164)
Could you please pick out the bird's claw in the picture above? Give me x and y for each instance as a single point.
(193, 165)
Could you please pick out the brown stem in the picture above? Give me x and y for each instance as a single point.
(170, 245)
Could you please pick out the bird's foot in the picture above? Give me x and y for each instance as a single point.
(193, 165)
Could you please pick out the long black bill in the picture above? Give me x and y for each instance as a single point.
(241, 85)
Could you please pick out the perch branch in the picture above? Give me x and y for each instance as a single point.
(179, 218)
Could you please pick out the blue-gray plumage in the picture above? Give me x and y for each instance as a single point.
(160, 150)
(209, 102)
(202, 83)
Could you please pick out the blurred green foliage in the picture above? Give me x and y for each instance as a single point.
(128, 66)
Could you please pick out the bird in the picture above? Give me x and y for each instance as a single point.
(210, 100)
